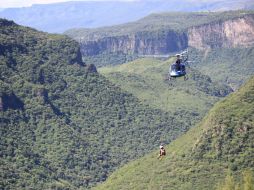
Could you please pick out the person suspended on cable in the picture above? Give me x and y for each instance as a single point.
(162, 151)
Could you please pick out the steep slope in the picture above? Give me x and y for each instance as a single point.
(169, 32)
(201, 158)
(231, 66)
(157, 22)
(64, 126)
(145, 78)
(165, 33)
(90, 14)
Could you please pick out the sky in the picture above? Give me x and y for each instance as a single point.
(27, 3)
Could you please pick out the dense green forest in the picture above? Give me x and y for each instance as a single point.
(231, 66)
(66, 126)
(212, 155)
(63, 125)
(245, 182)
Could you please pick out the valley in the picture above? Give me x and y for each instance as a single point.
(88, 109)
(145, 78)
(63, 125)
(221, 143)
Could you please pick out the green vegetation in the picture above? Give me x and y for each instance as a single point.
(246, 183)
(145, 78)
(64, 126)
(229, 66)
(201, 158)
(154, 34)
(156, 23)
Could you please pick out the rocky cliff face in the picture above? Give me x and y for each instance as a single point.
(140, 43)
(229, 34)
(232, 33)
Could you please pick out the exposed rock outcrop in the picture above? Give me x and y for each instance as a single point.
(229, 34)
(140, 43)
(237, 32)
(77, 59)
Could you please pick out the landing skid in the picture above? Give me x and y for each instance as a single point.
(171, 80)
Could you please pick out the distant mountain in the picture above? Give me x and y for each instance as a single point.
(201, 159)
(63, 125)
(221, 43)
(59, 17)
(168, 33)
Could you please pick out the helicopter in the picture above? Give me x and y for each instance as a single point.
(178, 69)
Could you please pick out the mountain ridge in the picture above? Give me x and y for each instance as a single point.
(75, 14)
(166, 33)
(201, 158)
(64, 125)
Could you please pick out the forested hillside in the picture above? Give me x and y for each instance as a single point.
(63, 125)
(221, 145)
(66, 126)
(231, 66)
